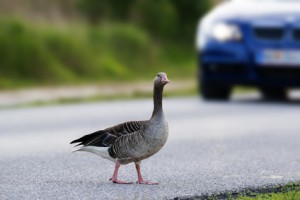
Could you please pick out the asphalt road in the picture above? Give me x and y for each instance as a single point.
(212, 148)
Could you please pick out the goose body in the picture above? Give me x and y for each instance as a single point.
(131, 141)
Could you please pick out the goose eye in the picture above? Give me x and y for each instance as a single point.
(158, 75)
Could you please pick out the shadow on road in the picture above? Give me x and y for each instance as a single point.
(255, 98)
(264, 101)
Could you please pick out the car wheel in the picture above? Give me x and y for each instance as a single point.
(273, 93)
(214, 91)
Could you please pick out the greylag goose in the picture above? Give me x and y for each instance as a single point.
(131, 141)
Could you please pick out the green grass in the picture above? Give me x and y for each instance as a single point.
(286, 194)
(289, 191)
(77, 53)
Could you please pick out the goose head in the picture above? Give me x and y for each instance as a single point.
(161, 79)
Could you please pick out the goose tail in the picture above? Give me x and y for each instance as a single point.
(101, 151)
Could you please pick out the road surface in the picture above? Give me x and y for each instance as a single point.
(213, 148)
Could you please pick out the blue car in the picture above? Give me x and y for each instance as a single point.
(252, 43)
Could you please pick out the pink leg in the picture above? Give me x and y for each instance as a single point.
(140, 178)
(114, 178)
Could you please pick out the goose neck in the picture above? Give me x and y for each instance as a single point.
(157, 99)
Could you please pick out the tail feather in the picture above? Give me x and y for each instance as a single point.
(87, 138)
(101, 151)
(77, 150)
(100, 138)
(78, 144)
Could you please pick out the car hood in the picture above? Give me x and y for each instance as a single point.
(253, 10)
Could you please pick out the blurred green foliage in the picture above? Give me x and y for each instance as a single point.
(175, 19)
(119, 41)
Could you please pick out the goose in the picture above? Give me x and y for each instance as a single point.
(131, 141)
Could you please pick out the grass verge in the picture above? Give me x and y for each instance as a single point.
(289, 191)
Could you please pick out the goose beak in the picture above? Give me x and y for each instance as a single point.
(165, 80)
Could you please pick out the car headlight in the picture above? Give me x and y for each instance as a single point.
(226, 32)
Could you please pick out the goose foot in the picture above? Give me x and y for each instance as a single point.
(146, 182)
(114, 178)
(140, 178)
(117, 181)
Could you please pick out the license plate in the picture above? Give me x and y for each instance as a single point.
(278, 57)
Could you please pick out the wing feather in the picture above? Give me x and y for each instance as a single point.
(106, 137)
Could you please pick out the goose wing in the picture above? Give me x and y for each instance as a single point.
(106, 137)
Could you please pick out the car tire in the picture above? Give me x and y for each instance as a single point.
(214, 91)
(271, 93)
